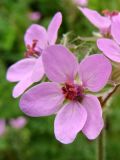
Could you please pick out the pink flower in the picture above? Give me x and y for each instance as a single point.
(18, 123)
(67, 95)
(35, 16)
(2, 127)
(103, 23)
(110, 47)
(81, 2)
(30, 69)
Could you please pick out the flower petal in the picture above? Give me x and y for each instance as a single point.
(94, 71)
(18, 123)
(54, 27)
(94, 123)
(95, 18)
(19, 70)
(81, 2)
(42, 100)
(36, 32)
(59, 63)
(38, 70)
(69, 121)
(109, 48)
(22, 86)
(2, 127)
(115, 28)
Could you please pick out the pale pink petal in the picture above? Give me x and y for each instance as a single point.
(38, 70)
(96, 19)
(94, 123)
(81, 2)
(2, 127)
(27, 71)
(59, 63)
(36, 32)
(18, 123)
(19, 70)
(54, 27)
(110, 48)
(22, 86)
(42, 100)
(69, 121)
(35, 16)
(94, 72)
(115, 28)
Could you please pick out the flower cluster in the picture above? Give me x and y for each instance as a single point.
(16, 123)
(82, 3)
(103, 22)
(110, 46)
(30, 69)
(34, 16)
(71, 87)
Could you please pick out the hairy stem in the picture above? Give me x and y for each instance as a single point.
(109, 96)
(87, 38)
(101, 146)
(101, 143)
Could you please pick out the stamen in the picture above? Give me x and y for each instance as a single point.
(31, 52)
(73, 92)
(109, 14)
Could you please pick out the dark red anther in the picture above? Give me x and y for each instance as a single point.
(31, 52)
(109, 14)
(72, 91)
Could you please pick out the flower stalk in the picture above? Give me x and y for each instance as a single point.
(109, 96)
(101, 144)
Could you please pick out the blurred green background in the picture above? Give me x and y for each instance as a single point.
(36, 140)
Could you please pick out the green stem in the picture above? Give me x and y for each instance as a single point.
(109, 96)
(101, 144)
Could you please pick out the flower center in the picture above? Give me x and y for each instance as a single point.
(73, 91)
(31, 52)
(107, 13)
